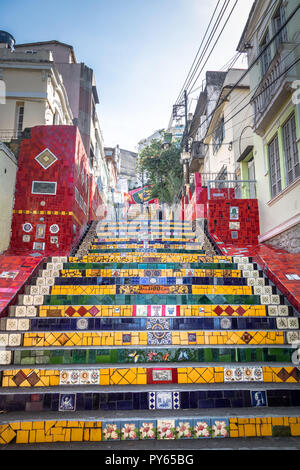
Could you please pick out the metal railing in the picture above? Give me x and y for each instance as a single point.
(205, 177)
(232, 189)
(6, 135)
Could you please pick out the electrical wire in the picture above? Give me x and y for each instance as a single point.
(182, 89)
(208, 42)
(269, 9)
(247, 104)
(214, 45)
(253, 63)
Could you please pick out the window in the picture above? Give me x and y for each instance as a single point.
(44, 187)
(266, 56)
(274, 166)
(19, 118)
(278, 21)
(291, 157)
(218, 136)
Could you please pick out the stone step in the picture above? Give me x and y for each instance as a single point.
(170, 427)
(139, 376)
(148, 324)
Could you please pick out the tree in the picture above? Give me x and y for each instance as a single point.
(162, 168)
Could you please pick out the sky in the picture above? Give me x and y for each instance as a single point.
(140, 51)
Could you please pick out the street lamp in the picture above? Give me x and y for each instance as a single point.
(185, 158)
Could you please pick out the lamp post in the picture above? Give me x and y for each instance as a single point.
(184, 158)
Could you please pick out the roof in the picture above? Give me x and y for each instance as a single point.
(42, 43)
(240, 46)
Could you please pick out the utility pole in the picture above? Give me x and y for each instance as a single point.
(186, 141)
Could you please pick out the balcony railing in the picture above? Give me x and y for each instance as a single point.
(6, 135)
(271, 92)
(231, 189)
(205, 177)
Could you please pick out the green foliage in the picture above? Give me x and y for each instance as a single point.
(163, 169)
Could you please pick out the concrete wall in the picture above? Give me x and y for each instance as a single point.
(8, 170)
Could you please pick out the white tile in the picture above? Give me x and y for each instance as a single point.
(282, 323)
(45, 290)
(265, 299)
(293, 323)
(20, 311)
(5, 357)
(15, 339)
(292, 337)
(27, 299)
(40, 281)
(3, 339)
(38, 300)
(23, 324)
(275, 299)
(258, 290)
(267, 290)
(31, 311)
(34, 290)
(283, 310)
(11, 324)
(50, 281)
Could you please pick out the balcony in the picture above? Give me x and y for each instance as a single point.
(198, 152)
(274, 88)
(6, 135)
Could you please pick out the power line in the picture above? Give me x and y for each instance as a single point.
(221, 13)
(238, 54)
(215, 43)
(182, 89)
(253, 63)
(270, 84)
(259, 84)
(212, 33)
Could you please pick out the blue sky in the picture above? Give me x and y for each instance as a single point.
(140, 51)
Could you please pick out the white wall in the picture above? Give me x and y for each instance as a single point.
(8, 170)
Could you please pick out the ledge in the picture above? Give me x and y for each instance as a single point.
(284, 192)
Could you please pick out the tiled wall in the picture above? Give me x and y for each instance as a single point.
(54, 222)
(234, 221)
(199, 428)
(156, 400)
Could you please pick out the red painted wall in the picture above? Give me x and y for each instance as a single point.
(63, 215)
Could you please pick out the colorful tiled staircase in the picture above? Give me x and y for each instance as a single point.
(143, 336)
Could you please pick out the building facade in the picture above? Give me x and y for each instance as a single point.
(271, 39)
(229, 134)
(8, 170)
(44, 85)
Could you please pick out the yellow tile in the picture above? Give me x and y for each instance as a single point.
(17, 425)
(26, 425)
(48, 425)
(7, 434)
(95, 435)
(266, 430)
(32, 437)
(250, 430)
(295, 429)
(56, 430)
(22, 437)
(277, 421)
